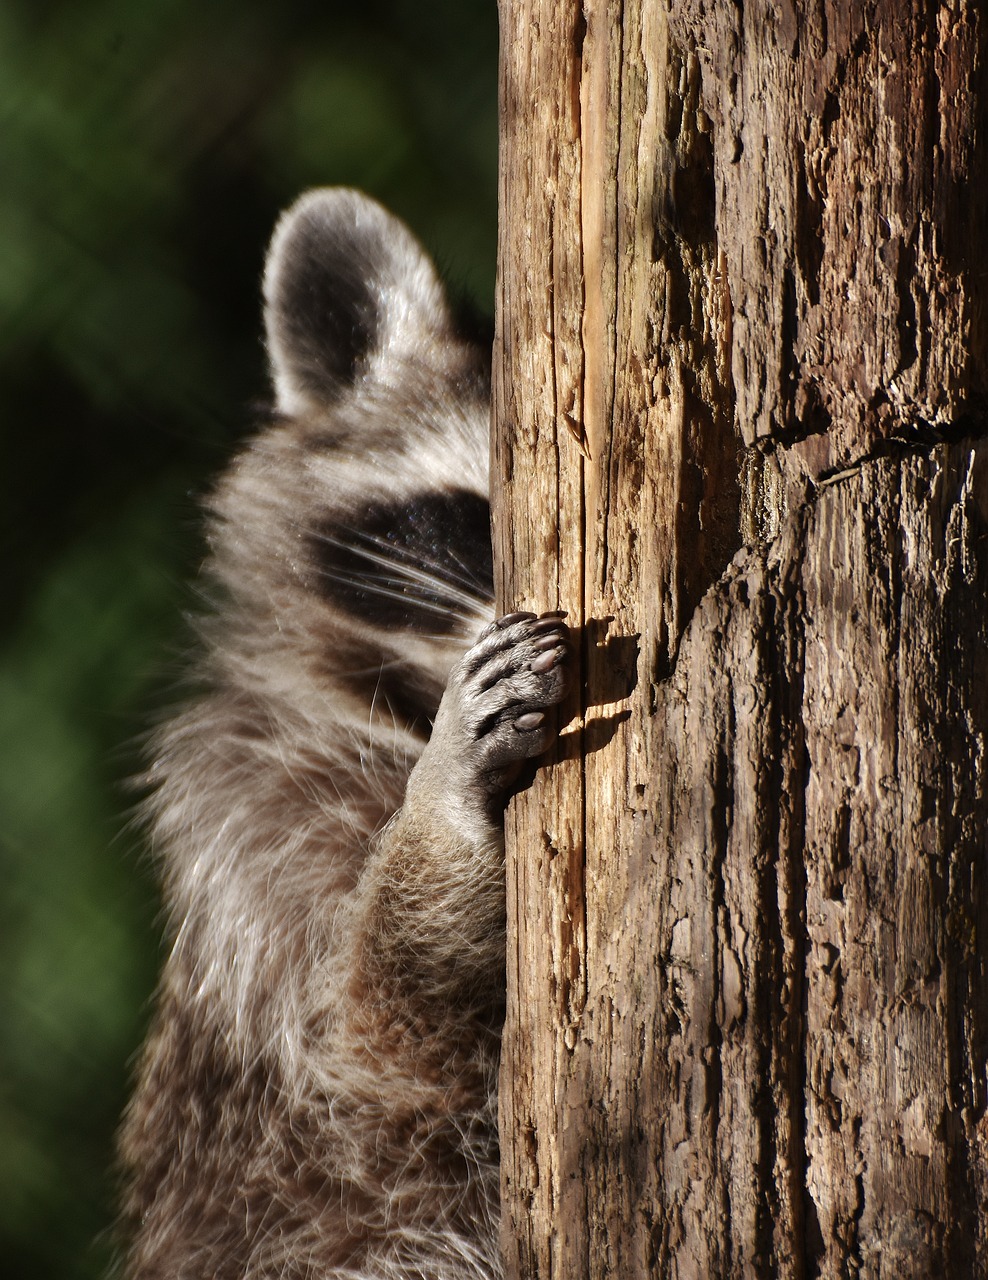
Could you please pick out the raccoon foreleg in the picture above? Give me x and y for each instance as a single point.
(433, 899)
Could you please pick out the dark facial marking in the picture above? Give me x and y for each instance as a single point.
(401, 691)
(408, 564)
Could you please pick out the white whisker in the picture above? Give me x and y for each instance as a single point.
(414, 566)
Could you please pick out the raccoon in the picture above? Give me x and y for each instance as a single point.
(317, 1094)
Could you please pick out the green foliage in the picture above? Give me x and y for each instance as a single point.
(146, 150)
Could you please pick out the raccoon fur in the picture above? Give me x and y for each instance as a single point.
(317, 1094)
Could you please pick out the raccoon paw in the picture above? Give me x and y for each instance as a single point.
(504, 689)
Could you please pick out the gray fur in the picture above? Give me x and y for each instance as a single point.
(317, 1095)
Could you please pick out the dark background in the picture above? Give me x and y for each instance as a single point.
(145, 151)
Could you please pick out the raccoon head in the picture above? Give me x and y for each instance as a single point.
(376, 472)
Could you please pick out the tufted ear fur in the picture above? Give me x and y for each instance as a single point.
(345, 285)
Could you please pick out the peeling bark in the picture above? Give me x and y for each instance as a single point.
(741, 377)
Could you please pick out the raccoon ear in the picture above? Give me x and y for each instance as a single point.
(345, 283)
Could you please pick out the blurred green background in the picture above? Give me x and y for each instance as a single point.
(145, 151)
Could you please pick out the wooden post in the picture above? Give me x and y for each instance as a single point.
(741, 377)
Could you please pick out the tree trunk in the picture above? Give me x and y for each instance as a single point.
(740, 387)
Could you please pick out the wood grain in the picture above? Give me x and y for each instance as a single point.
(741, 367)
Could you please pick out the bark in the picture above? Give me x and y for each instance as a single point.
(741, 368)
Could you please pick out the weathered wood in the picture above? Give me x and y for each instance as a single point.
(742, 267)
